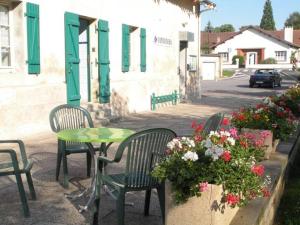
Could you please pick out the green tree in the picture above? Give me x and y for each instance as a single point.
(224, 28)
(208, 27)
(267, 20)
(293, 20)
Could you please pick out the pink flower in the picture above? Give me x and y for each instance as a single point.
(232, 199)
(250, 136)
(233, 132)
(198, 138)
(264, 134)
(259, 170)
(266, 192)
(259, 142)
(203, 186)
(226, 156)
(225, 121)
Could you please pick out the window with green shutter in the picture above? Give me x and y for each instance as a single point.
(143, 49)
(125, 48)
(33, 38)
(103, 58)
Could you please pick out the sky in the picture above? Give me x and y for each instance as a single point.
(248, 12)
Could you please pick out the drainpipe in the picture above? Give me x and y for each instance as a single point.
(208, 5)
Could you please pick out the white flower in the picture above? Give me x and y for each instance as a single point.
(174, 143)
(214, 151)
(207, 143)
(259, 110)
(231, 141)
(225, 133)
(190, 156)
(214, 133)
(189, 142)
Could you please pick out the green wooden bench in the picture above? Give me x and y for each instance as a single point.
(163, 98)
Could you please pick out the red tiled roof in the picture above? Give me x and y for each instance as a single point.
(217, 38)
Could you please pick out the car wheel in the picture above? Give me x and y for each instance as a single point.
(279, 83)
(273, 84)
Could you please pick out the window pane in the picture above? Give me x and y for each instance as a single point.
(5, 57)
(4, 37)
(4, 15)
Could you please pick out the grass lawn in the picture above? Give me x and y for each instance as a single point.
(228, 73)
(288, 212)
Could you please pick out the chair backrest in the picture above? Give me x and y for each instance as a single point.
(213, 123)
(69, 117)
(144, 150)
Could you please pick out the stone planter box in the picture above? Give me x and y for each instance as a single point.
(204, 210)
(275, 144)
(270, 147)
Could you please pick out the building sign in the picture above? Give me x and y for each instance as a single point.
(162, 41)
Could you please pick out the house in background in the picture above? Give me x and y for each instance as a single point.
(255, 45)
(107, 58)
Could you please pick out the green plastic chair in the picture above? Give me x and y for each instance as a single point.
(70, 117)
(213, 123)
(17, 167)
(144, 150)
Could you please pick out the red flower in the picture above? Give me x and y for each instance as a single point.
(225, 121)
(194, 124)
(259, 170)
(244, 143)
(232, 199)
(226, 156)
(241, 117)
(266, 192)
(199, 128)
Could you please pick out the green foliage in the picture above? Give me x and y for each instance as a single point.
(293, 20)
(290, 99)
(228, 73)
(269, 61)
(225, 28)
(241, 60)
(267, 20)
(208, 27)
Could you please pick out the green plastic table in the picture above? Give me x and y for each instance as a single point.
(105, 136)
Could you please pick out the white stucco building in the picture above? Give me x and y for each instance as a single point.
(255, 45)
(105, 56)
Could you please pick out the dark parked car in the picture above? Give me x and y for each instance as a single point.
(269, 77)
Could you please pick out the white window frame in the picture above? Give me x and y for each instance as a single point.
(192, 63)
(281, 56)
(225, 56)
(9, 47)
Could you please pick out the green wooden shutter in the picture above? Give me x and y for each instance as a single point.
(125, 48)
(143, 49)
(33, 38)
(103, 58)
(72, 58)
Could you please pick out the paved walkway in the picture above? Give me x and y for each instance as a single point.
(52, 207)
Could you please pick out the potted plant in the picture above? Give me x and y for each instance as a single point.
(210, 177)
(266, 116)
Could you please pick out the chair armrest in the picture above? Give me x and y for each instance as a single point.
(105, 159)
(13, 157)
(21, 147)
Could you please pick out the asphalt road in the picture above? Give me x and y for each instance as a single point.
(234, 92)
